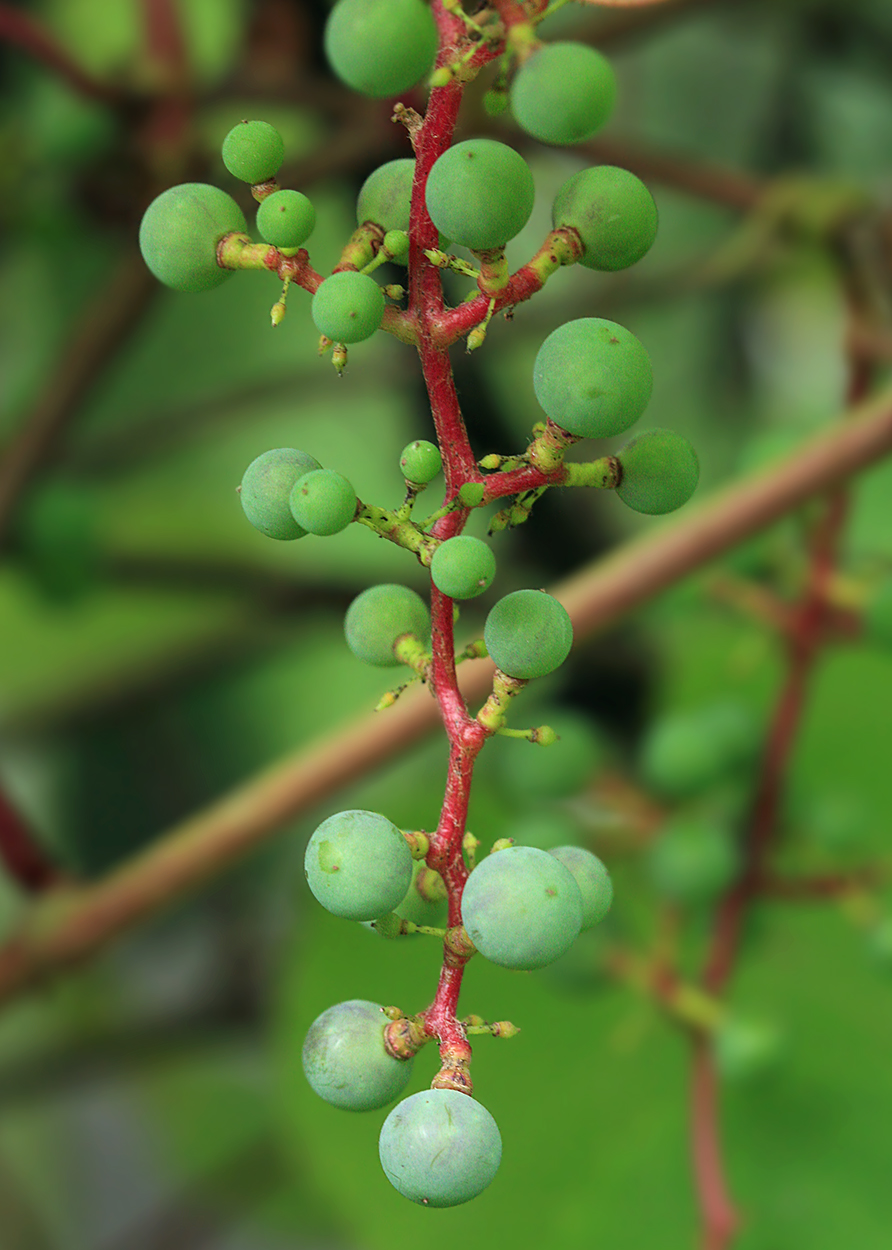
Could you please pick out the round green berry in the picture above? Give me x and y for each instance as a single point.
(266, 488)
(563, 93)
(396, 246)
(380, 47)
(660, 471)
(179, 233)
(379, 617)
(593, 377)
(684, 753)
(345, 1060)
(463, 567)
(286, 219)
(348, 307)
(323, 502)
(480, 193)
(593, 879)
(253, 152)
(613, 212)
(693, 859)
(420, 462)
(528, 634)
(385, 196)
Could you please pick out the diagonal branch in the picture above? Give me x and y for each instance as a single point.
(69, 925)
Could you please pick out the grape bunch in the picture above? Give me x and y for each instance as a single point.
(521, 907)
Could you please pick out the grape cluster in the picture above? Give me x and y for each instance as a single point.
(522, 908)
(286, 494)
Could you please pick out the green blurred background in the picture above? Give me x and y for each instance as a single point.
(156, 651)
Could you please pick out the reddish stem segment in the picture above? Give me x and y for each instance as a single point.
(23, 857)
(720, 1220)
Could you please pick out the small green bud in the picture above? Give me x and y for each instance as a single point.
(471, 494)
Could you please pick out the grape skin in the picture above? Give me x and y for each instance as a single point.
(266, 489)
(522, 908)
(440, 1148)
(480, 193)
(593, 377)
(684, 753)
(379, 616)
(286, 219)
(613, 213)
(528, 634)
(563, 93)
(358, 865)
(348, 307)
(692, 860)
(593, 879)
(345, 1060)
(660, 472)
(323, 502)
(380, 47)
(253, 152)
(420, 462)
(386, 195)
(463, 567)
(179, 233)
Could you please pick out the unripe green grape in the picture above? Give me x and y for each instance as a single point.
(563, 93)
(684, 753)
(253, 151)
(521, 908)
(358, 865)
(613, 212)
(286, 219)
(745, 1049)
(420, 461)
(440, 1148)
(528, 634)
(323, 502)
(179, 233)
(660, 471)
(266, 489)
(386, 195)
(348, 307)
(380, 47)
(593, 879)
(463, 567)
(345, 1060)
(593, 377)
(480, 193)
(557, 771)
(692, 859)
(396, 246)
(379, 616)
(878, 615)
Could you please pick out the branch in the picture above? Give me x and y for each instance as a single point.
(720, 1221)
(68, 926)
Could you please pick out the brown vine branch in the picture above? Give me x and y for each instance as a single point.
(70, 925)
